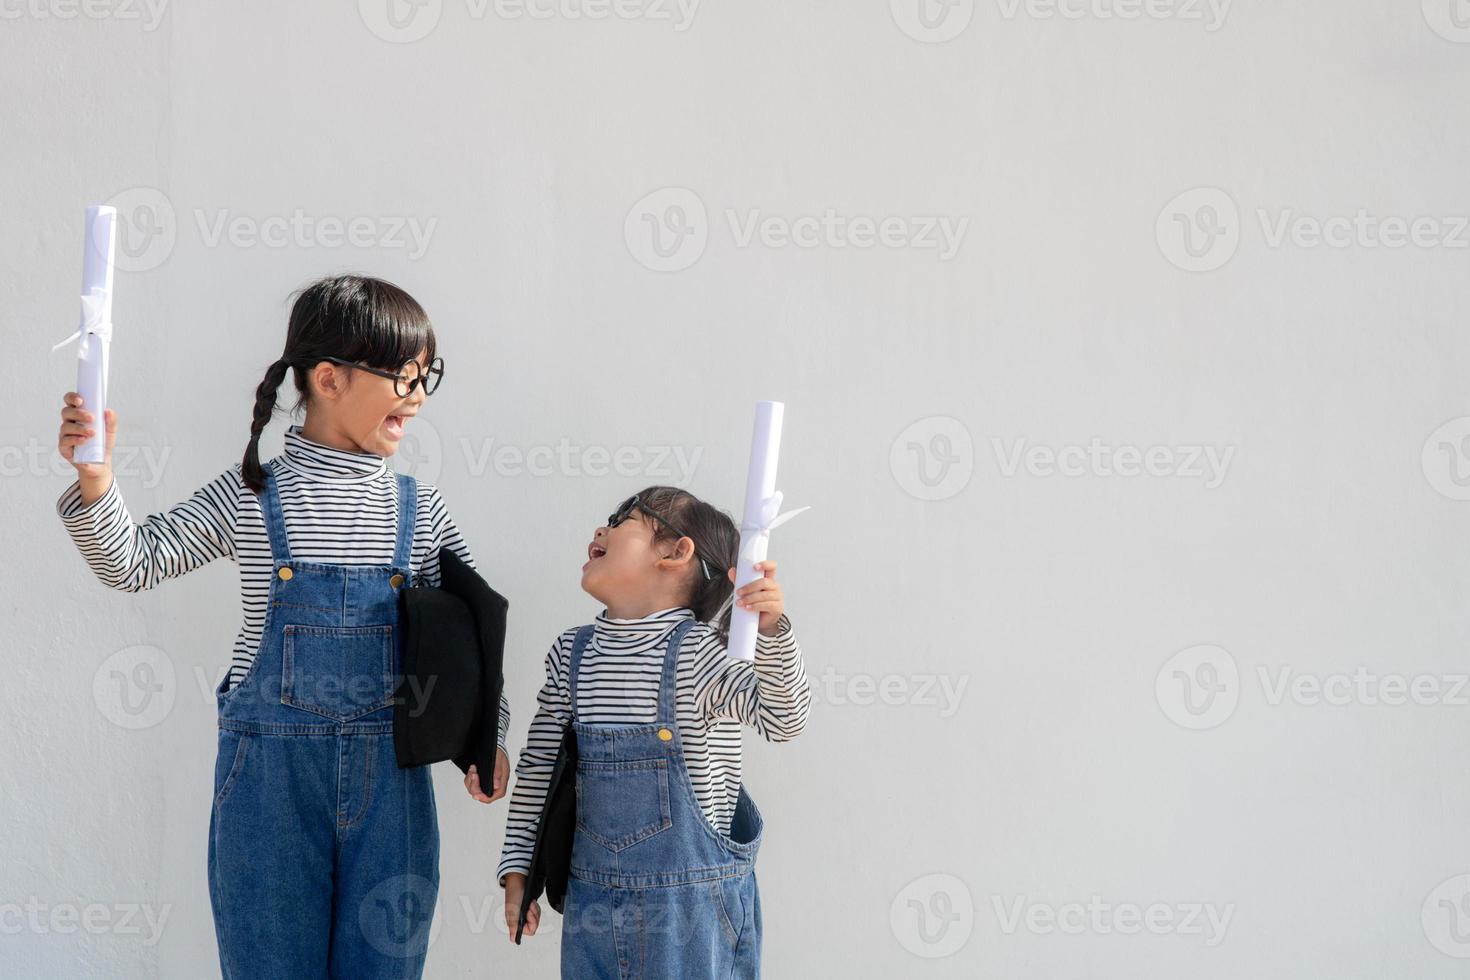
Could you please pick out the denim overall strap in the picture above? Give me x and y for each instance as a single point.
(668, 715)
(668, 683)
(275, 521)
(578, 646)
(408, 498)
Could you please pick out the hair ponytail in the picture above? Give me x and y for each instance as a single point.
(354, 318)
(265, 405)
(714, 600)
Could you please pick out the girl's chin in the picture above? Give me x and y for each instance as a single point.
(590, 583)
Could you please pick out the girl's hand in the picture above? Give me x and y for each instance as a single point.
(515, 890)
(77, 426)
(763, 596)
(502, 776)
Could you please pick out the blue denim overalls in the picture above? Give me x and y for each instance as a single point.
(323, 854)
(655, 891)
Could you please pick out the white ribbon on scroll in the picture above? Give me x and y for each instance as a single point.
(94, 335)
(756, 538)
(762, 515)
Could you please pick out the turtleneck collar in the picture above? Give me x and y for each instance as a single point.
(319, 462)
(639, 632)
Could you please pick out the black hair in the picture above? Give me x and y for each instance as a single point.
(716, 540)
(354, 318)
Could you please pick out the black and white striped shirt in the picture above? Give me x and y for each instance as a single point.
(340, 507)
(619, 684)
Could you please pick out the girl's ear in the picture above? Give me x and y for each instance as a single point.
(683, 552)
(326, 381)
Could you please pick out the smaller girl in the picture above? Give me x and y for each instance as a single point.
(663, 862)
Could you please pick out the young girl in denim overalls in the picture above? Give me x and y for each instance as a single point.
(323, 854)
(663, 862)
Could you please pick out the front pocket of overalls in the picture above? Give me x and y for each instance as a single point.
(232, 749)
(622, 803)
(725, 897)
(341, 672)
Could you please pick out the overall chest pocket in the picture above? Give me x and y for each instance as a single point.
(622, 803)
(340, 673)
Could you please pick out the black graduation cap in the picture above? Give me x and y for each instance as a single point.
(447, 705)
(551, 861)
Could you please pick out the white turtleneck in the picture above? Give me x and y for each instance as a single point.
(619, 684)
(340, 507)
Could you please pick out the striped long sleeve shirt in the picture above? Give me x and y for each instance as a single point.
(619, 684)
(340, 507)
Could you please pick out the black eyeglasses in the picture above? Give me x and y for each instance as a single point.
(405, 383)
(625, 510)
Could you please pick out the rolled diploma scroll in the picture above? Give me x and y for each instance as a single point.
(762, 507)
(94, 334)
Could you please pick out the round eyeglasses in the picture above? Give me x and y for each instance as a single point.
(406, 379)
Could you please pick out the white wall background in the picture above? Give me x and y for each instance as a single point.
(1076, 760)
